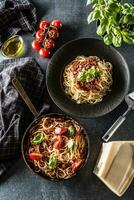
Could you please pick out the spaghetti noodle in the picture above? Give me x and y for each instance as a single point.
(87, 79)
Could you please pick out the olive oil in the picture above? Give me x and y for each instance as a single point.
(13, 47)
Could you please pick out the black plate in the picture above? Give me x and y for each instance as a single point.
(87, 47)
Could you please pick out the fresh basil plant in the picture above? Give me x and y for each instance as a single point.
(115, 21)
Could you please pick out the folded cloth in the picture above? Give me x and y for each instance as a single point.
(15, 16)
(14, 114)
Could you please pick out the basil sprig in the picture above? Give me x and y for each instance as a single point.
(115, 21)
(89, 74)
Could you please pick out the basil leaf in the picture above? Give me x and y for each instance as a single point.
(108, 27)
(95, 15)
(73, 149)
(71, 130)
(128, 40)
(52, 162)
(108, 39)
(82, 76)
(127, 33)
(117, 39)
(38, 138)
(114, 8)
(90, 18)
(116, 30)
(92, 73)
(128, 19)
(101, 29)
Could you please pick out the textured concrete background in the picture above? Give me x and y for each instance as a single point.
(20, 183)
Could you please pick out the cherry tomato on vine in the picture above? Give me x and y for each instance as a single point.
(57, 23)
(40, 35)
(49, 43)
(44, 53)
(44, 24)
(53, 34)
(36, 45)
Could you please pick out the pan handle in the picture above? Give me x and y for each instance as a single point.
(113, 128)
(116, 125)
(24, 96)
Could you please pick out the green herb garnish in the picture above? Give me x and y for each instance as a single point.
(115, 21)
(52, 162)
(71, 145)
(71, 130)
(88, 75)
(38, 138)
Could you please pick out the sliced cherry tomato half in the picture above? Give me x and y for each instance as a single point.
(40, 35)
(60, 130)
(43, 24)
(36, 45)
(58, 144)
(57, 23)
(44, 53)
(76, 165)
(35, 156)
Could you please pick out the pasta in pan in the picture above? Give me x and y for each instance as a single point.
(57, 147)
(87, 79)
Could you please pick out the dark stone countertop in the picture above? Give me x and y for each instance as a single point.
(22, 184)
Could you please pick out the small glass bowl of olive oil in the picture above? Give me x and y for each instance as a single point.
(13, 47)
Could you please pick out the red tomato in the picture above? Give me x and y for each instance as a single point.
(53, 34)
(40, 35)
(36, 45)
(49, 43)
(44, 53)
(58, 142)
(76, 165)
(60, 130)
(57, 23)
(43, 24)
(35, 156)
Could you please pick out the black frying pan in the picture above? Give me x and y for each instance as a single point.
(25, 138)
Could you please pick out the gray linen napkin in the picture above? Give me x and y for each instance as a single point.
(14, 114)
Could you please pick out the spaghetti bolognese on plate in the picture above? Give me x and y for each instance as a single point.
(86, 78)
